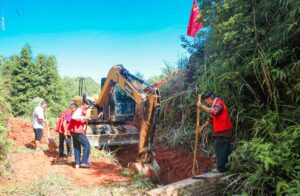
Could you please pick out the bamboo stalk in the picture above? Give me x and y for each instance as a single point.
(196, 137)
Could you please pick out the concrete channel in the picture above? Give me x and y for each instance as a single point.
(206, 186)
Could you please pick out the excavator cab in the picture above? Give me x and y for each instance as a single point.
(111, 124)
(121, 107)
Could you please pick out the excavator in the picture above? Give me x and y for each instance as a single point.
(108, 125)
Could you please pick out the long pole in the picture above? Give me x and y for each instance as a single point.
(196, 138)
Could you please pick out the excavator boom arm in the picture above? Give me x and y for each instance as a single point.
(115, 76)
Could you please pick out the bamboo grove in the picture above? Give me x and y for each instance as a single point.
(248, 53)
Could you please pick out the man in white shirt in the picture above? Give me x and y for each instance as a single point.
(38, 121)
(77, 130)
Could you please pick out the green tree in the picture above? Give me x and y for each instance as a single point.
(139, 75)
(22, 80)
(27, 79)
(71, 86)
(5, 111)
(168, 70)
(50, 85)
(35, 77)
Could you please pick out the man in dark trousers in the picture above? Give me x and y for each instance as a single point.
(77, 130)
(62, 124)
(222, 128)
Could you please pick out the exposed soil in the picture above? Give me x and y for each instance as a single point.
(160, 83)
(175, 165)
(98, 173)
(28, 165)
(21, 132)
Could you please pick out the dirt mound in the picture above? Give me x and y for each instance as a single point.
(21, 132)
(175, 165)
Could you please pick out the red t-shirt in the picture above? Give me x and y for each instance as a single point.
(222, 125)
(64, 116)
(77, 124)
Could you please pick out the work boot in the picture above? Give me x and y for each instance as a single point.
(62, 155)
(70, 154)
(38, 149)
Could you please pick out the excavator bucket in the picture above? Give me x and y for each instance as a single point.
(147, 170)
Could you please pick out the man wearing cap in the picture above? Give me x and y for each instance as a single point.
(38, 121)
(76, 128)
(222, 128)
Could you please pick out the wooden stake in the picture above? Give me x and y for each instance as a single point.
(196, 138)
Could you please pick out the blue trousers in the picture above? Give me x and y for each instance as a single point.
(223, 150)
(80, 140)
(62, 139)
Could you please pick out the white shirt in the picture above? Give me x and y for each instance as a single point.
(38, 117)
(77, 115)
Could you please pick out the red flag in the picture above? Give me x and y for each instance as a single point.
(194, 26)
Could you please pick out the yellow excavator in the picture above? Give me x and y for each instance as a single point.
(105, 128)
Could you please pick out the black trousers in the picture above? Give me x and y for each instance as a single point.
(62, 139)
(223, 150)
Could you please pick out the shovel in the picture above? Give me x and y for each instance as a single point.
(68, 142)
(52, 146)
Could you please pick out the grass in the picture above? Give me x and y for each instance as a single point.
(104, 155)
(19, 149)
(14, 189)
(56, 184)
(143, 184)
(126, 172)
(5, 146)
(53, 184)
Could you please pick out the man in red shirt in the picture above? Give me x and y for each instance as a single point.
(62, 124)
(77, 129)
(222, 128)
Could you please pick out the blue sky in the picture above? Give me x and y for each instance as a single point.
(88, 37)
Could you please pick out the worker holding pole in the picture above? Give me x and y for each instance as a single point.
(222, 128)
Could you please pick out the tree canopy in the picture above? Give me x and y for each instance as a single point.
(29, 77)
